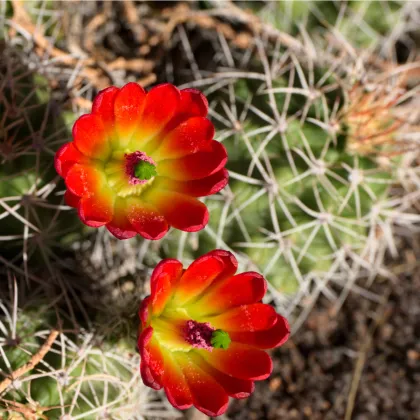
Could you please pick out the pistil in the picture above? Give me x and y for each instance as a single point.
(139, 168)
(202, 335)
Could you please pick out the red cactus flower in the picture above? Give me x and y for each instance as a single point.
(204, 331)
(139, 160)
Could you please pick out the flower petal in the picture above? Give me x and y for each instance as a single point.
(199, 187)
(242, 289)
(128, 108)
(266, 339)
(103, 105)
(143, 340)
(196, 166)
(171, 334)
(240, 361)
(90, 137)
(200, 275)
(144, 310)
(120, 226)
(71, 199)
(193, 103)
(85, 180)
(146, 219)
(97, 210)
(152, 362)
(160, 105)
(179, 210)
(229, 261)
(254, 317)
(234, 387)
(67, 155)
(175, 384)
(164, 277)
(207, 395)
(169, 266)
(191, 136)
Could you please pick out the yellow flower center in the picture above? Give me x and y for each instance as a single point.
(130, 173)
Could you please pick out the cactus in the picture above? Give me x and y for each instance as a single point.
(314, 134)
(73, 373)
(298, 192)
(315, 139)
(361, 23)
(31, 129)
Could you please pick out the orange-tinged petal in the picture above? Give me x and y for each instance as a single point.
(85, 180)
(91, 138)
(242, 289)
(144, 310)
(240, 361)
(97, 210)
(198, 276)
(120, 226)
(253, 317)
(207, 395)
(146, 219)
(265, 339)
(196, 166)
(162, 293)
(229, 261)
(66, 156)
(175, 384)
(193, 103)
(180, 211)
(103, 106)
(191, 136)
(160, 105)
(152, 361)
(165, 276)
(196, 188)
(169, 266)
(128, 108)
(234, 387)
(71, 199)
(203, 273)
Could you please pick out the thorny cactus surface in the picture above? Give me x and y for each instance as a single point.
(315, 129)
(31, 128)
(50, 373)
(315, 138)
(361, 23)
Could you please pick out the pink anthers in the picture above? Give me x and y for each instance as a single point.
(199, 334)
(131, 162)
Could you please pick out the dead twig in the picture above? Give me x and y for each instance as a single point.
(96, 22)
(29, 411)
(90, 69)
(133, 21)
(35, 359)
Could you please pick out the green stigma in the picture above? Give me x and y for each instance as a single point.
(220, 339)
(145, 170)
